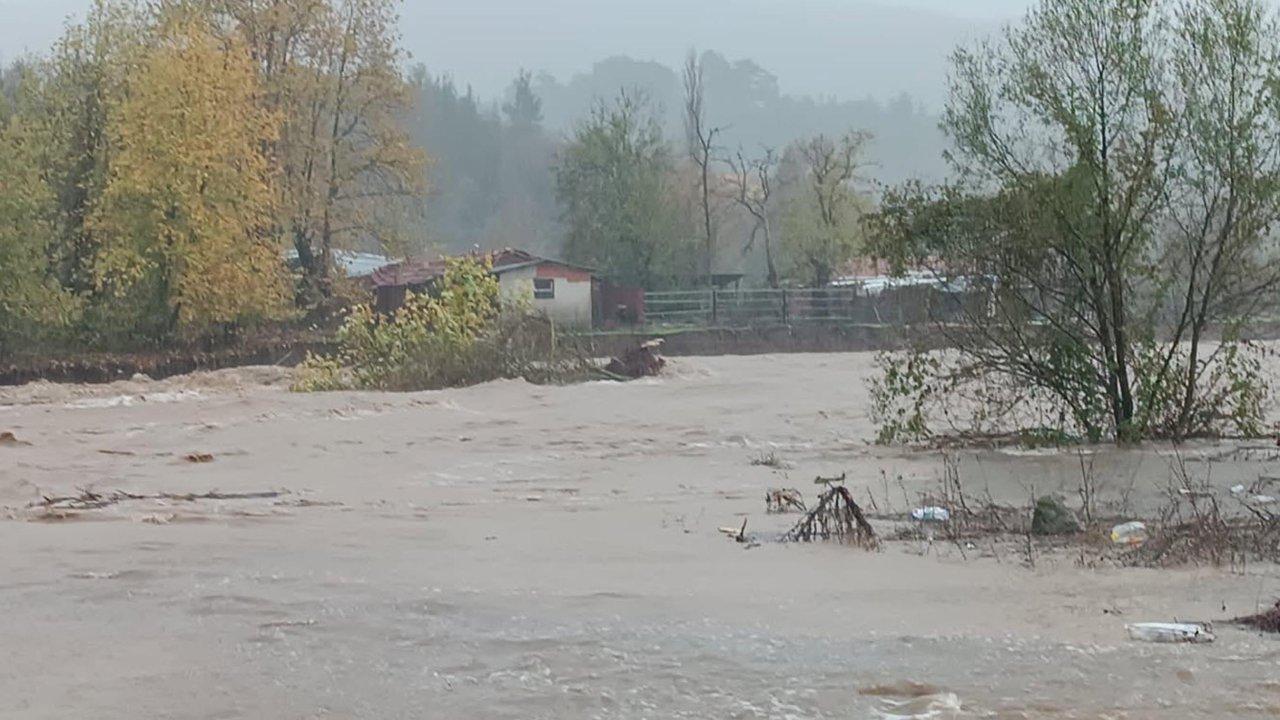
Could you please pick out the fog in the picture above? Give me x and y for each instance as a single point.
(776, 72)
(843, 48)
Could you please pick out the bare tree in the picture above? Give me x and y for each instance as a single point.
(753, 191)
(827, 232)
(702, 145)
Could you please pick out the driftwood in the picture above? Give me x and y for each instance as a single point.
(739, 534)
(836, 517)
(90, 500)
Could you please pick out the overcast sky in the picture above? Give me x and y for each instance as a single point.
(842, 48)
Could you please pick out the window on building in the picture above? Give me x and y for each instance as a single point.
(544, 288)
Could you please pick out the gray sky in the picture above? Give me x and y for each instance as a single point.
(843, 48)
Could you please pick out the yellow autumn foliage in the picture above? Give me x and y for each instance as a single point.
(185, 218)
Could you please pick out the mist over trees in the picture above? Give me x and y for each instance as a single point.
(495, 163)
(754, 111)
(491, 167)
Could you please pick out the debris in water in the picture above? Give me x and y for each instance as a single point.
(90, 500)
(738, 534)
(769, 460)
(931, 514)
(1158, 632)
(198, 458)
(836, 517)
(1268, 621)
(643, 360)
(1052, 517)
(782, 500)
(1130, 533)
(8, 438)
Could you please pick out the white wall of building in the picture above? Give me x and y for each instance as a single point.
(571, 306)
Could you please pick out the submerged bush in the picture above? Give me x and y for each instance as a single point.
(460, 334)
(954, 394)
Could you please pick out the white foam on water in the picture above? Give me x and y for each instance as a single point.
(942, 706)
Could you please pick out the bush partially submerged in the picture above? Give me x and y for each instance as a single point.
(958, 395)
(460, 334)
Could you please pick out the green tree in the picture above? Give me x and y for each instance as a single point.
(1117, 187)
(822, 221)
(524, 108)
(616, 187)
(32, 302)
(87, 69)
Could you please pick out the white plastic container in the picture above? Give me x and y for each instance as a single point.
(931, 514)
(1156, 632)
(1130, 533)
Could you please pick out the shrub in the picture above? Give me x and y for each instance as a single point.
(461, 334)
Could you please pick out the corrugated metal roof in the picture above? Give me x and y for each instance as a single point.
(360, 264)
(352, 263)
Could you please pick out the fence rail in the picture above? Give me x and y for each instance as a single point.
(746, 308)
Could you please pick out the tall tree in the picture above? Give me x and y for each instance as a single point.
(753, 185)
(1225, 201)
(186, 211)
(823, 220)
(523, 107)
(615, 186)
(701, 137)
(1086, 70)
(1138, 212)
(87, 69)
(332, 70)
(32, 302)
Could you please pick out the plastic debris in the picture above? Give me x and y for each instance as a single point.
(1158, 632)
(1130, 533)
(931, 514)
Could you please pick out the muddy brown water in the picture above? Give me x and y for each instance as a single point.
(511, 551)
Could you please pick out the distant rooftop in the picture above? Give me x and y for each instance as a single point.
(418, 271)
(352, 263)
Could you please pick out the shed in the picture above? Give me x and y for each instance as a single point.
(565, 292)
